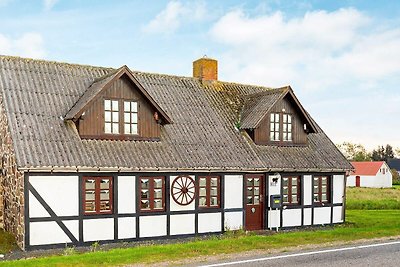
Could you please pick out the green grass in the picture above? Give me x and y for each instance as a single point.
(7, 242)
(373, 198)
(364, 224)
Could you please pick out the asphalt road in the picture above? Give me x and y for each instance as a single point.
(382, 254)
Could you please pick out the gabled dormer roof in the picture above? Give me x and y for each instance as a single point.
(101, 84)
(258, 105)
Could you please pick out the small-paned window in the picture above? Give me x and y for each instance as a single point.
(111, 116)
(253, 190)
(287, 127)
(321, 189)
(209, 191)
(97, 197)
(291, 190)
(274, 127)
(152, 196)
(130, 117)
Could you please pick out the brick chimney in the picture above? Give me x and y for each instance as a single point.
(205, 68)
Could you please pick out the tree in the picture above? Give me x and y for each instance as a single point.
(354, 152)
(396, 176)
(388, 152)
(382, 153)
(378, 154)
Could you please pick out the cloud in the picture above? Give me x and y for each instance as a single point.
(323, 46)
(49, 4)
(344, 65)
(171, 18)
(28, 45)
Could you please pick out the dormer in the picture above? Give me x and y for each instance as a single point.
(276, 117)
(117, 107)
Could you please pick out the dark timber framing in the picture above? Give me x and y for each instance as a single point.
(79, 241)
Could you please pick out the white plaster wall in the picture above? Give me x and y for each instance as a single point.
(338, 188)
(378, 181)
(173, 205)
(307, 194)
(39, 232)
(233, 191)
(36, 210)
(307, 216)
(61, 193)
(153, 226)
(126, 194)
(291, 217)
(233, 220)
(322, 215)
(337, 214)
(182, 224)
(274, 218)
(126, 228)
(273, 189)
(98, 229)
(209, 222)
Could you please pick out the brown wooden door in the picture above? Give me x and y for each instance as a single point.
(357, 181)
(254, 194)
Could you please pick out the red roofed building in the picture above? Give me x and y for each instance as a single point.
(370, 174)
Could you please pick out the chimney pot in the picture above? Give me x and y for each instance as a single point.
(205, 69)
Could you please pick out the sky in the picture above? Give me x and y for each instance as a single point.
(342, 58)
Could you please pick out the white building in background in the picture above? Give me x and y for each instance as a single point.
(370, 174)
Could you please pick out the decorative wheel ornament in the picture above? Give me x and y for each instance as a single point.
(183, 190)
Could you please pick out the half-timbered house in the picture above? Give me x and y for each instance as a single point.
(99, 154)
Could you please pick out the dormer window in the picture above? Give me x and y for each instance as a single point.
(274, 127)
(117, 107)
(130, 117)
(112, 122)
(111, 116)
(280, 127)
(287, 127)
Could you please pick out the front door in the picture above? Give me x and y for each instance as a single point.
(357, 181)
(254, 185)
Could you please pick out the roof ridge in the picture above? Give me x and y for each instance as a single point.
(26, 59)
(54, 62)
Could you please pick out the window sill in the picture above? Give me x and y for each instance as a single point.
(120, 137)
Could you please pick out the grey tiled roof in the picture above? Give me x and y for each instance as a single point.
(257, 105)
(37, 94)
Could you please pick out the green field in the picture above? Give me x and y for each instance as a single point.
(361, 224)
(373, 198)
(372, 213)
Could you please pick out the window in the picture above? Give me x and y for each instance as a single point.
(280, 127)
(209, 191)
(291, 190)
(321, 189)
(274, 127)
(118, 121)
(287, 127)
(111, 116)
(97, 195)
(152, 196)
(130, 117)
(253, 190)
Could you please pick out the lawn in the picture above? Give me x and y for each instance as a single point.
(359, 198)
(364, 224)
